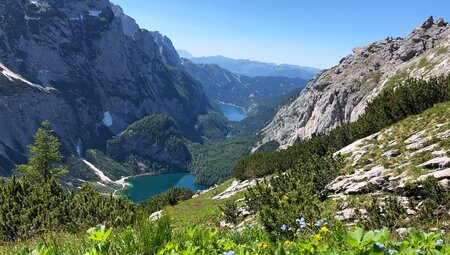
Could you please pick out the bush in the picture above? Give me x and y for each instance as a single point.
(390, 106)
(171, 197)
(292, 196)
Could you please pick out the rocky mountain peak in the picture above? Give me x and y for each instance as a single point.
(340, 94)
(102, 78)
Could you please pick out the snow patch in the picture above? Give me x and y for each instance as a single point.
(98, 172)
(39, 3)
(94, 13)
(13, 76)
(77, 18)
(107, 119)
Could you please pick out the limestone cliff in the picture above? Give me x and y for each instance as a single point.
(340, 94)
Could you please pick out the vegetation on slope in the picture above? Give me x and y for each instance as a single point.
(292, 218)
(155, 141)
(393, 104)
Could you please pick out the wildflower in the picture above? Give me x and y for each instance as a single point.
(263, 245)
(317, 237)
(318, 223)
(287, 242)
(376, 231)
(419, 251)
(439, 242)
(300, 221)
(283, 227)
(312, 249)
(285, 198)
(251, 226)
(298, 231)
(380, 245)
(229, 253)
(324, 229)
(393, 251)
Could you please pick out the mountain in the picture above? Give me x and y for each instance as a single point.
(340, 94)
(219, 83)
(245, 91)
(257, 68)
(184, 54)
(79, 65)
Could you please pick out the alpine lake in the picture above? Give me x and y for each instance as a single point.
(144, 187)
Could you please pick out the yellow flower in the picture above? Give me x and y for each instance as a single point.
(287, 242)
(324, 229)
(262, 245)
(312, 249)
(318, 237)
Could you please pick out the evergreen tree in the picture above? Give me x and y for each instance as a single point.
(44, 156)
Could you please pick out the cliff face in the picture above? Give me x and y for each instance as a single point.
(340, 94)
(73, 63)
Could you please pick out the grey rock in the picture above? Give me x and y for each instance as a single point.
(439, 175)
(438, 154)
(437, 163)
(90, 68)
(340, 94)
(440, 22)
(391, 154)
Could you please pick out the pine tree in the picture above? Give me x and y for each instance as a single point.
(44, 156)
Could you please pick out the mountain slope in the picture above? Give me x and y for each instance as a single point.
(340, 94)
(257, 68)
(72, 63)
(223, 85)
(410, 150)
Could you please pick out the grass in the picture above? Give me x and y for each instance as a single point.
(202, 210)
(440, 114)
(441, 50)
(398, 77)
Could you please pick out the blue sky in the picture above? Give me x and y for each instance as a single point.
(311, 33)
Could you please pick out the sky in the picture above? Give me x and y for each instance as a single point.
(315, 33)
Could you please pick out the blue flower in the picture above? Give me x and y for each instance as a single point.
(393, 251)
(300, 221)
(283, 227)
(318, 223)
(251, 226)
(380, 245)
(440, 241)
(419, 251)
(229, 253)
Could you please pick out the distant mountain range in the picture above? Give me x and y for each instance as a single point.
(254, 68)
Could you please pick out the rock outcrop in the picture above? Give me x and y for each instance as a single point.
(75, 64)
(386, 161)
(340, 94)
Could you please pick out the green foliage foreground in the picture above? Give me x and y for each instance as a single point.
(310, 238)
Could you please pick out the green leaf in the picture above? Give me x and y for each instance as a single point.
(368, 238)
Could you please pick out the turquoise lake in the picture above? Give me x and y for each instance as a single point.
(147, 186)
(233, 113)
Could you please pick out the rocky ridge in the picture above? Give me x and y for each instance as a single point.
(73, 63)
(340, 94)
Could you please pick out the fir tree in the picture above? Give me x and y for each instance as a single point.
(44, 156)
